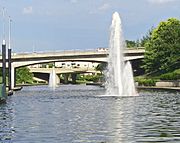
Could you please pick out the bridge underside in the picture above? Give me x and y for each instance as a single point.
(44, 73)
(42, 76)
(65, 78)
(136, 66)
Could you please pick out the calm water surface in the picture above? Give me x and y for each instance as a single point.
(76, 114)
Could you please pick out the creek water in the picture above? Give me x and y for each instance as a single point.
(77, 113)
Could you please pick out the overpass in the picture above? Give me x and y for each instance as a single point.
(25, 59)
(63, 70)
(44, 73)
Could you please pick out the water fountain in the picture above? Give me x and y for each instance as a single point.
(119, 75)
(53, 79)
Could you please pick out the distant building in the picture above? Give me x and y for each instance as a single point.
(89, 65)
(35, 66)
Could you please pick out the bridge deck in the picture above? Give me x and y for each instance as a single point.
(24, 59)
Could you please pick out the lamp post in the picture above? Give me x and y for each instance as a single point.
(4, 68)
(4, 59)
(9, 56)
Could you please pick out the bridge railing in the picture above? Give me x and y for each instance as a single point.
(75, 51)
(55, 52)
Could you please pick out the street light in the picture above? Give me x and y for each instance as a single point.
(9, 56)
(4, 58)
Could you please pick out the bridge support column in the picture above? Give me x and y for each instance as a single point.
(53, 78)
(73, 76)
(66, 76)
(57, 79)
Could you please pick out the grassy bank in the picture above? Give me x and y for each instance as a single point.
(151, 80)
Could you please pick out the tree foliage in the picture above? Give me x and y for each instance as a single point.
(146, 38)
(163, 47)
(23, 75)
(130, 43)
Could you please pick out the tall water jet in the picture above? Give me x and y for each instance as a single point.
(129, 87)
(53, 78)
(119, 74)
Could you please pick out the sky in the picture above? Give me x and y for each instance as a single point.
(58, 25)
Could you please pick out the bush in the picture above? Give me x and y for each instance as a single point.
(145, 82)
(177, 72)
(23, 75)
(94, 78)
(171, 76)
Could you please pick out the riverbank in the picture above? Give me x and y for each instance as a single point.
(168, 88)
(158, 88)
(34, 84)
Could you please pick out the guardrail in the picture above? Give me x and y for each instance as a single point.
(73, 51)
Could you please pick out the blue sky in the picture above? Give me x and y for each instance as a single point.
(49, 25)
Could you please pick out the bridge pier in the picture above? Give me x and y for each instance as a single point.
(73, 76)
(57, 79)
(66, 76)
(54, 79)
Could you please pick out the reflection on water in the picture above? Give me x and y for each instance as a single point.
(76, 114)
(6, 119)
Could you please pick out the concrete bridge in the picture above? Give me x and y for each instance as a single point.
(26, 59)
(43, 74)
(63, 70)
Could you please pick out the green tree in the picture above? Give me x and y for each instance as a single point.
(163, 48)
(130, 44)
(23, 75)
(146, 38)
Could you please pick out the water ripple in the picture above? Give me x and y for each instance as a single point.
(76, 114)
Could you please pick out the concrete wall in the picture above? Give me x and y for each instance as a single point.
(168, 84)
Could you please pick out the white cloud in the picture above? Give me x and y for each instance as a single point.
(28, 10)
(104, 7)
(101, 8)
(160, 1)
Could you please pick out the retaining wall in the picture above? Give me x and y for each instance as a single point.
(168, 84)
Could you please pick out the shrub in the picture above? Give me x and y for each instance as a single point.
(94, 78)
(145, 82)
(171, 76)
